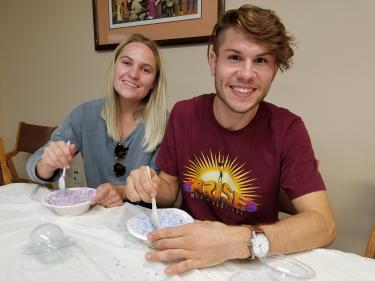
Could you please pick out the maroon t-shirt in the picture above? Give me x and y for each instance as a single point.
(235, 176)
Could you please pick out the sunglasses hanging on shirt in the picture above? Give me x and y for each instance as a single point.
(120, 153)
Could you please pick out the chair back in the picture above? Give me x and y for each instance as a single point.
(4, 172)
(29, 139)
(370, 249)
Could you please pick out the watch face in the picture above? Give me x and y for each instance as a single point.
(261, 245)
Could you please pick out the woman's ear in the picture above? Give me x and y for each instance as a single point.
(212, 59)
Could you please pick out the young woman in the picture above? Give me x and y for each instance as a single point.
(116, 134)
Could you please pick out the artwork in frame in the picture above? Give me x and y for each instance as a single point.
(165, 21)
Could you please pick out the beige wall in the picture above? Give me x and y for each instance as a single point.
(48, 65)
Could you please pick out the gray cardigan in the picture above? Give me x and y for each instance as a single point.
(85, 128)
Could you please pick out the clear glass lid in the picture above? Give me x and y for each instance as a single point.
(282, 267)
(276, 267)
(47, 242)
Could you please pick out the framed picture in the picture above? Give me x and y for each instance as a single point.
(165, 21)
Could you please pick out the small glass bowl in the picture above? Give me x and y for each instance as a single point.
(277, 267)
(281, 267)
(47, 243)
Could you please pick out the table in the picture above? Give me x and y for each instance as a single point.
(104, 250)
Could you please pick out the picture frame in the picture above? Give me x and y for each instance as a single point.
(167, 24)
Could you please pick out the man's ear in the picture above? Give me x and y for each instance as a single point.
(212, 59)
(275, 71)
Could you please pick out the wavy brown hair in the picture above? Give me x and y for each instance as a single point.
(261, 25)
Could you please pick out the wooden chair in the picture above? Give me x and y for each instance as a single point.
(370, 249)
(29, 139)
(4, 172)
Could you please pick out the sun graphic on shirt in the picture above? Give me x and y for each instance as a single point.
(221, 180)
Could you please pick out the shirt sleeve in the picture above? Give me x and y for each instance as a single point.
(167, 156)
(299, 172)
(70, 129)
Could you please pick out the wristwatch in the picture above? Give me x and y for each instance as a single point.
(259, 245)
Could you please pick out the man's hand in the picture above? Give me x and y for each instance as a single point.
(198, 245)
(109, 195)
(139, 187)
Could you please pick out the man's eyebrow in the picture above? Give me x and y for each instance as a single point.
(268, 53)
(232, 50)
(264, 54)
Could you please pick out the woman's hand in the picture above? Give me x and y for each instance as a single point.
(56, 155)
(109, 195)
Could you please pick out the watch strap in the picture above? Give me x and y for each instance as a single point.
(257, 229)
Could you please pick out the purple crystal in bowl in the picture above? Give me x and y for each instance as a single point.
(140, 225)
(70, 197)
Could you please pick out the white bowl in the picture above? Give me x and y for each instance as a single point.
(71, 201)
(140, 225)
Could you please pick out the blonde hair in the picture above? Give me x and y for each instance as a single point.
(153, 109)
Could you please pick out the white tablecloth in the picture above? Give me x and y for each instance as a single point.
(104, 250)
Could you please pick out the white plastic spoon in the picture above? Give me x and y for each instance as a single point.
(154, 213)
(62, 178)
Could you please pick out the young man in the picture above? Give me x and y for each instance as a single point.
(230, 153)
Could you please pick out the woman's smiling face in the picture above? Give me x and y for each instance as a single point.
(134, 72)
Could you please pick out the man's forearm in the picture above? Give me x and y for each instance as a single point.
(302, 232)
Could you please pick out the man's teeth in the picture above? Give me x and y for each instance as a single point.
(241, 90)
